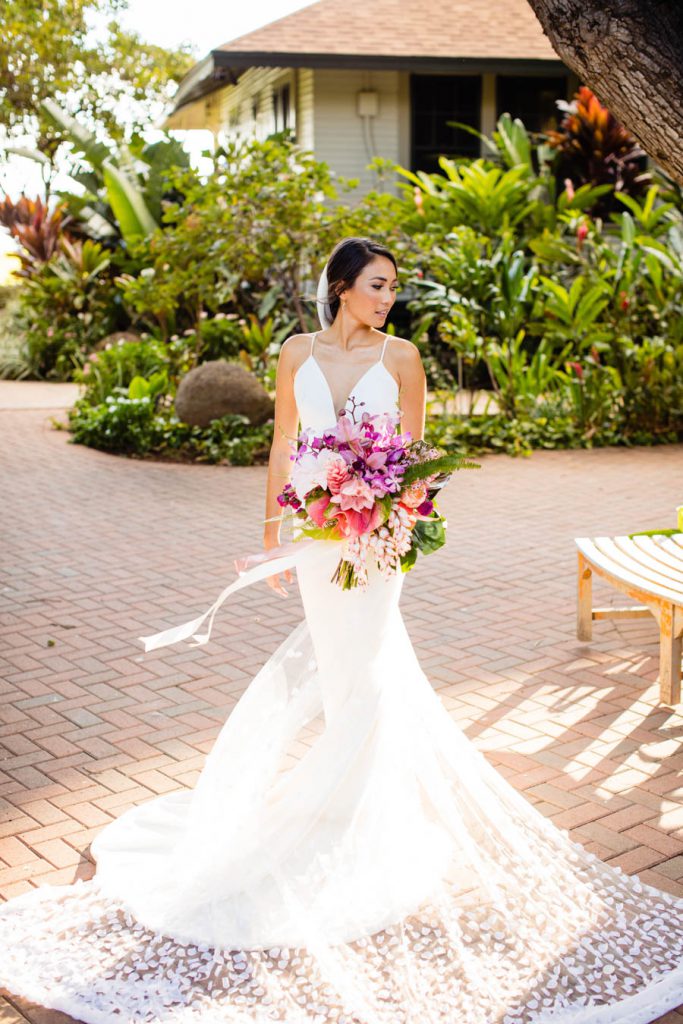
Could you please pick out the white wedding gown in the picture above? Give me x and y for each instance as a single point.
(383, 874)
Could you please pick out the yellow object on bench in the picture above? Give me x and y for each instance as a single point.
(648, 569)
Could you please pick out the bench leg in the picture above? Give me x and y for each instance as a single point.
(670, 650)
(584, 601)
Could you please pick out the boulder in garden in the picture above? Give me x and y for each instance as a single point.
(218, 388)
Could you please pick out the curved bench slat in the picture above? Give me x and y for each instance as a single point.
(657, 546)
(672, 545)
(635, 568)
(594, 553)
(652, 556)
(648, 569)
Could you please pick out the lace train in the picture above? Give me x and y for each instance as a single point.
(347, 856)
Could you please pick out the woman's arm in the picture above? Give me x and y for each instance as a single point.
(286, 422)
(412, 388)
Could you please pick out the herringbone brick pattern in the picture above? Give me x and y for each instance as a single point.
(98, 550)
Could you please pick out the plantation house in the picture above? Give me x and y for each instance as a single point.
(356, 80)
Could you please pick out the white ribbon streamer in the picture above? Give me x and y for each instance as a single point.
(251, 568)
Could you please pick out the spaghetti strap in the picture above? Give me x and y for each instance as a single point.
(313, 337)
(386, 339)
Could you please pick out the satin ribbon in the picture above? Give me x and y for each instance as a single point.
(250, 569)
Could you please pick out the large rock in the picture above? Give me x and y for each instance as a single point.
(217, 388)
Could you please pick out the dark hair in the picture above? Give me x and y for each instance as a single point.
(346, 261)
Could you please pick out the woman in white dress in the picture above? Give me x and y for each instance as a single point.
(347, 854)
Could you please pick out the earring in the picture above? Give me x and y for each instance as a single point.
(344, 304)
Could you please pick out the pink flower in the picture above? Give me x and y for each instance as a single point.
(377, 460)
(414, 495)
(337, 474)
(353, 523)
(354, 494)
(347, 430)
(316, 509)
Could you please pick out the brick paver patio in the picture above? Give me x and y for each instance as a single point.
(98, 550)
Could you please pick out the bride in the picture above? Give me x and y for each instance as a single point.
(347, 854)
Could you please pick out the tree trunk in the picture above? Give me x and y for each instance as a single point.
(630, 53)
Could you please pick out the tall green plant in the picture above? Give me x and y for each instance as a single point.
(122, 187)
(65, 308)
(478, 195)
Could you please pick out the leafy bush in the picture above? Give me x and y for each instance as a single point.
(141, 422)
(113, 368)
(231, 439)
(120, 424)
(35, 228)
(66, 306)
(240, 240)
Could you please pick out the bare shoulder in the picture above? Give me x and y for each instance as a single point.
(294, 350)
(404, 354)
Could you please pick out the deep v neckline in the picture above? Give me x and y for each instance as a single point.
(378, 362)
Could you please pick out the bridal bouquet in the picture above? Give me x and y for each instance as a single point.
(365, 484)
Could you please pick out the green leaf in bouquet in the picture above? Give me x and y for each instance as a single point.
(320, 532)
(443, 464)
(429, 535)
(385, 505)
(408, 560)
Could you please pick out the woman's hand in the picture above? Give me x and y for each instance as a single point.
(271, 541)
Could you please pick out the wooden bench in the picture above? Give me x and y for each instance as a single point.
(648, 569)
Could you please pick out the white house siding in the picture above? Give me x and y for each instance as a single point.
(304, 108)
(237, 117)
(324, 103)
(339, 134)
(340, 138)
(324, 107)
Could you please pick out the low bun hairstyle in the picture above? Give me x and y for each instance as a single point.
(345, 263)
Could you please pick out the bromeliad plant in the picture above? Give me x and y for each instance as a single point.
(371, 487)
(592, 147)
(37, 229)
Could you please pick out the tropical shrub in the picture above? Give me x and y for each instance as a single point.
(133, 424)
(242, 240)
(65, 307)
(110, 370)
(592, 147)
(35, 228)
(124, 187)
(119, 424)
